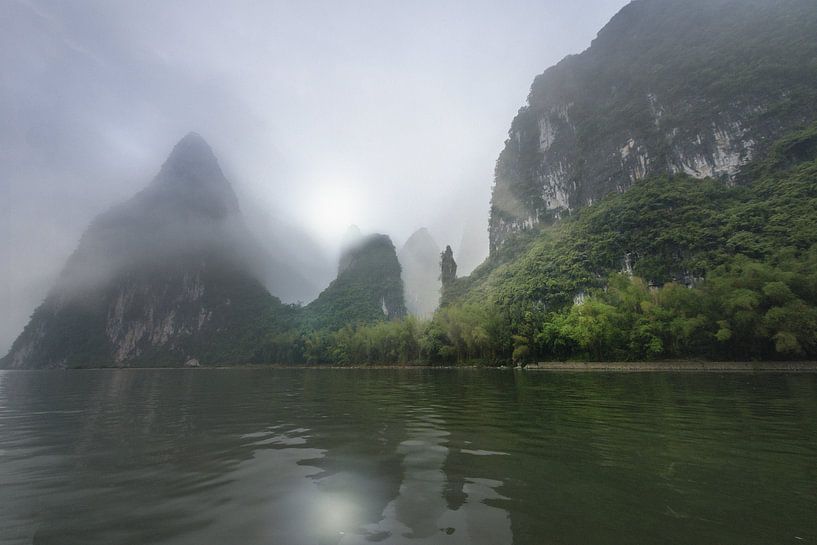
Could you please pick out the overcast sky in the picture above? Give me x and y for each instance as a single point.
(389, 115)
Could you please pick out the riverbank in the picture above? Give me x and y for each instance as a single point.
(692, 366)
(620, 366)
(561, 366)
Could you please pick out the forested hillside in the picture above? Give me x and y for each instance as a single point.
(673, 268)
(696, 87)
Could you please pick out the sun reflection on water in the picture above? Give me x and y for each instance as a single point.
(337, 515)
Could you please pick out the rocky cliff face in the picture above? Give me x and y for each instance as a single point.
(167, 276)
(699, 87)
(420, 261)
(368, 287)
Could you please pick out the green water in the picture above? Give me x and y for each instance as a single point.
(321, 456)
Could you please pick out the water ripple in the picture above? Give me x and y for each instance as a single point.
(406, 456)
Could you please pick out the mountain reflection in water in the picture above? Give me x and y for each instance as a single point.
(321, 456)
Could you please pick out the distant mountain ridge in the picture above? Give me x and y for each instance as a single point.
(420, 260)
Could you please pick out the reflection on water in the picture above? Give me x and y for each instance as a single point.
(420, 512)
(406, 456)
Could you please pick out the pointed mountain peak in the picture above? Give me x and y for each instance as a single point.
(421, 243)
(191, 178)
(192, 151)
(420, 237)
(350, 238)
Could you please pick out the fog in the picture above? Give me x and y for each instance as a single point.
(387, 115)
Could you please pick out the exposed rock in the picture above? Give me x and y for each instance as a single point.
(154, 278)
(448, 267)
(667, 87)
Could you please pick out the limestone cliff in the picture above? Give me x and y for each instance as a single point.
(167, 276)
(699, 87)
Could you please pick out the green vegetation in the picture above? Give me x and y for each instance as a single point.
(673, 268)
(80, 324)
(661, 74)
(368, 288)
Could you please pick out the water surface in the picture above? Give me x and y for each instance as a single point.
(329, 456)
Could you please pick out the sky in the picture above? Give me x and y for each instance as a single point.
(385, 114)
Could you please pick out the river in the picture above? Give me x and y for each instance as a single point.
(348, 456)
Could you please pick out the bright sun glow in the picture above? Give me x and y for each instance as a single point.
(337, 514)
(332, 208)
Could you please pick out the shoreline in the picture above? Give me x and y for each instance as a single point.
(564, 366)
(678, 366)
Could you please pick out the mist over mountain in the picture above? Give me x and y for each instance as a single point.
(677, 151)
(654, 193)
(379, 314)
(472, 248)
(352, 238)
(166, 276)
(305, 102)
(699, 87)
(298, 268)
(174, 275)
(420, 261)
(368, 287)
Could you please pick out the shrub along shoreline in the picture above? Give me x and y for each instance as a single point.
(682, 366)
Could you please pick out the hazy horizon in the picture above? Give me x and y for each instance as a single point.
(321, 114)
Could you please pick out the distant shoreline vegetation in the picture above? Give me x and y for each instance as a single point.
(673, 269)
(746, 310)
(674, 366)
